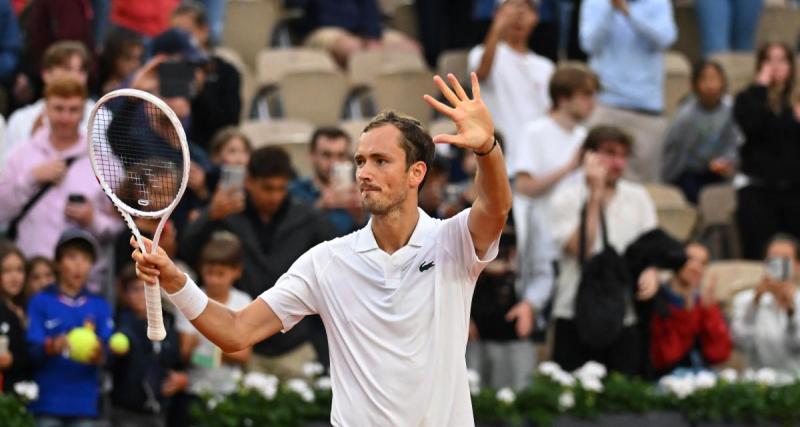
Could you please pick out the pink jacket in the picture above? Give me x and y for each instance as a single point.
(39, 230)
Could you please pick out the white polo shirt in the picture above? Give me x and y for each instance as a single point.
(397, 324)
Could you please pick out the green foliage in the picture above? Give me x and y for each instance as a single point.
(13, 412)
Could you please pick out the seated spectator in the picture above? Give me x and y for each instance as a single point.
(40, 272)
(149, 374)
(345, 27)
(14, 361)
(513, 79)
(701, 142)
(218, 102)
(69, 391)
(146, 17)
(765, 319)
(727, 25)
(332, 188)
(769, 182)
(275, 229)
(61, 60)
(121, 57)
(625, 41)
(211, 370)
(629, 212)
(55, 162)
(687, 328)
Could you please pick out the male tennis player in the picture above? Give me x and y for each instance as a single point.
(395, 295)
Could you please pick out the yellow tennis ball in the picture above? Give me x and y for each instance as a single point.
(83, 344)
(119, 343)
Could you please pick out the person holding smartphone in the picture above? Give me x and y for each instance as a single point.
(765, 319)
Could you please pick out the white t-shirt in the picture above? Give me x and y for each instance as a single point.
(20, 125)
(629, 214)
(516, 91)
(397, 324)
(765, 333)
(207, 373)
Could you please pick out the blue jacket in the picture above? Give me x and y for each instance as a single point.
(66, 388)
(10, 40)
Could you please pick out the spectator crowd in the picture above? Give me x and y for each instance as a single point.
(575, 90)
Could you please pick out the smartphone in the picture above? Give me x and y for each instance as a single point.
(76, 198)
(175, 79)
(232, 177)
(779, 268)
(342, 174)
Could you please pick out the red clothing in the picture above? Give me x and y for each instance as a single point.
(673, 336)
(148, 17)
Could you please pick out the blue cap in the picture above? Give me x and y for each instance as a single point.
(175, 41)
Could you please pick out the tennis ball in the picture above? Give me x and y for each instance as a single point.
(83, 344)
(119, 343)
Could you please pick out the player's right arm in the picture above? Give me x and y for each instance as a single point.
(230, 330)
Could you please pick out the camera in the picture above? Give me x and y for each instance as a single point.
(176, 79)
(779, 268)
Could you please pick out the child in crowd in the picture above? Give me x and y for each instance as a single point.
(148, 374)
(211, 369)
(14, 361)
(68, 388)
(40, 273)
(702, 140)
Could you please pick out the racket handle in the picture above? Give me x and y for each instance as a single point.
(155, 320)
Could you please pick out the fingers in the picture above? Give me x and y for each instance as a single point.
(446, 91)
(476, 87)
(438, 106)
(457, 86)
(447, 139)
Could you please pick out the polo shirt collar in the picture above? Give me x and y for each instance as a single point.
(365, 240)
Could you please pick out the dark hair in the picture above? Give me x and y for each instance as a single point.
(226, 134)
(417, 144)
(700, 66)
(224, 248)
(76, 244)
(117, 44)
(329, 132)
(604, 133)
(785, 237)
(196, 10)
(569, 80)
(127, 276)
(777, 100)
(7, 249)
(39, 259)
(59, 53)
(268, 162)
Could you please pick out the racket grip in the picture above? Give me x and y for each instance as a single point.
(155, 320)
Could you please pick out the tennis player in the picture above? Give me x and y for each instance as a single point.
(395, 295)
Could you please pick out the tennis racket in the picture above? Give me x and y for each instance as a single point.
(139, 154)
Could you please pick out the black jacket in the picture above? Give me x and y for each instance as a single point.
(218, 104)
(269, 250)
(20, 369)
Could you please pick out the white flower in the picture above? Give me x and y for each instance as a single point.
(784, 378)
(679, 386)
(474, 380)
(549, 368)
(266, 385)
(704, 379)
(729, 375)
(749, 375)
(592, 384)
(323, 383)
(301, 388)
(564, 378)
(591, 369)
(236, 375)
(27, 389)
(766, 376)
(312, 369)
(506, 395)
(213, 402)
(566, 400)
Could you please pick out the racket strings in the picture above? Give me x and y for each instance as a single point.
(137, 152)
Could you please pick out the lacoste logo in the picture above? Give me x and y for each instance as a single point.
(425, 266)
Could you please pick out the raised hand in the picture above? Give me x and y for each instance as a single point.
(152, 267)
(475, 130)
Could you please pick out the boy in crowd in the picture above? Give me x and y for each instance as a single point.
(68, 390)
(211, 369)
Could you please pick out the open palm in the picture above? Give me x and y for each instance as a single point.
(475, 129)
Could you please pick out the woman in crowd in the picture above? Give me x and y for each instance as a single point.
(14, 364)
(121, 57)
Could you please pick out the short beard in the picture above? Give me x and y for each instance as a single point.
(383, 208)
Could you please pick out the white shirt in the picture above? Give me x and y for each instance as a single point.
(629, 214)
(207, 372)
(516, 91)
(20, 125)
(397, 324)
(766, 334)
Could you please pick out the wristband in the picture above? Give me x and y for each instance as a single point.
(190, 299)
(494, 144)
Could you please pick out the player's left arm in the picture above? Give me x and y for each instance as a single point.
(475, 131)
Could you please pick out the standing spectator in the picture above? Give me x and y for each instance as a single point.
(769, 185)
(149, 374)
(629, 212)
(146, 17)
(345, 27)
(218, 102)
(69, 391)
(727, 25)
(332, 187)
(513, 79)
(701, 144)
(211, 370)
(625, 41)
(63, 59)
(275, 229)
(56, 162)
(766, 321)
(14, 360)
(687, 328)
(121, 57)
